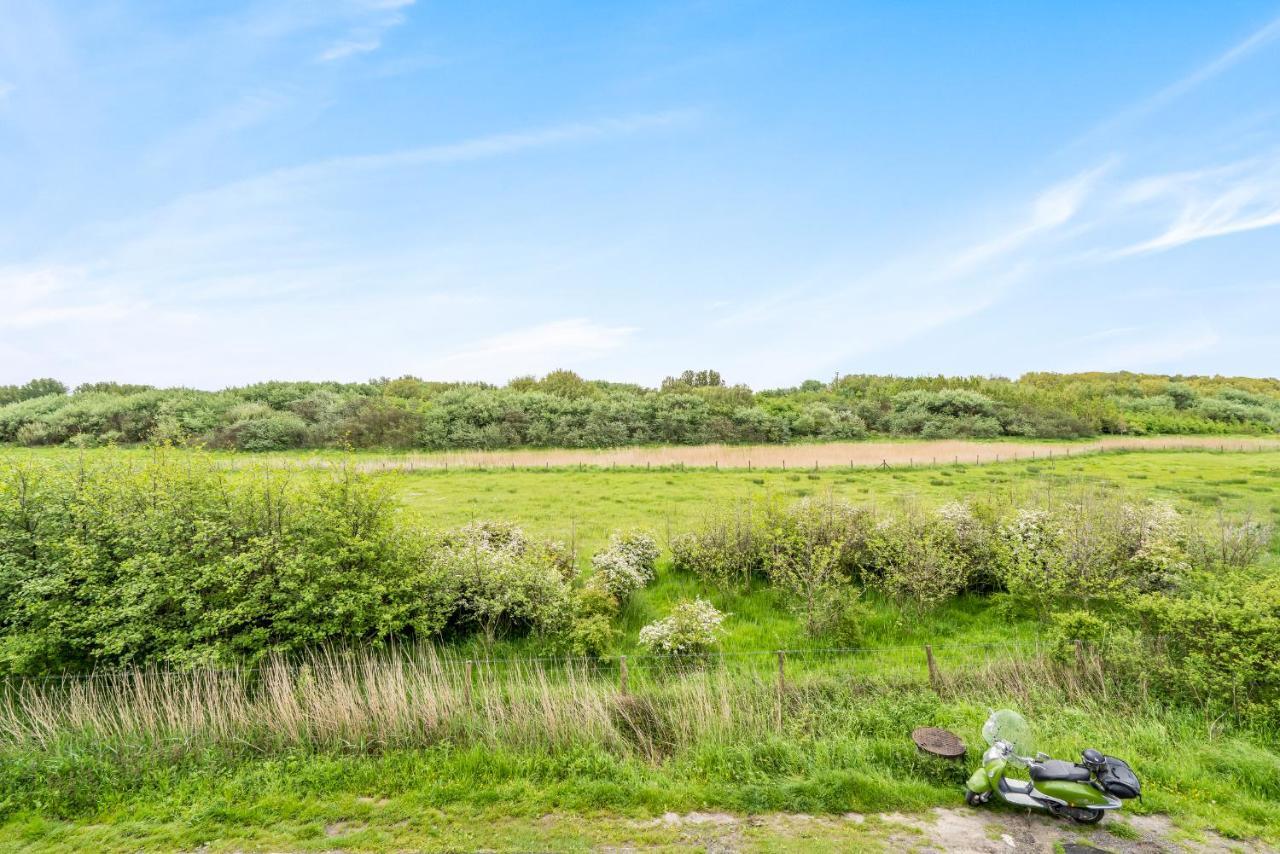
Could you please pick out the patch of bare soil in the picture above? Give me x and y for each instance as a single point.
(954, 831)
(970, 830)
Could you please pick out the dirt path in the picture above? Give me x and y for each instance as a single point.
(827, 455)
(972, 831)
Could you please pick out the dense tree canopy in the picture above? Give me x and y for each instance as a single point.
(563, 409)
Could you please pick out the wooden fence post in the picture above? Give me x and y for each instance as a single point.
(933, 667)
(622, 675)
(782, 687)
(466, 686)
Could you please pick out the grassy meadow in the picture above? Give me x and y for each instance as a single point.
(587, 504)
(521, 753)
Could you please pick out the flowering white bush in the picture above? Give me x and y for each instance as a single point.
(1031, 532)
(489, 534)
(1155, 535)
(691, 627)
(960, 519)
(508, 539)
(627, 565)
(1147, 526)
(640, 548)
(503, 581)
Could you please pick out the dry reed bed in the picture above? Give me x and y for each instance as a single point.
(805, 456)
(367, 701)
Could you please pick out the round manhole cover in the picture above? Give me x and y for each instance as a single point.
(939, 742)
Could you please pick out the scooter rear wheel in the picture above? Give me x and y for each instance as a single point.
(1084, 815)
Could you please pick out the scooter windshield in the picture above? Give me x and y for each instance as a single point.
(1012, 728)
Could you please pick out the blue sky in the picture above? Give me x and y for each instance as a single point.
(217, 193)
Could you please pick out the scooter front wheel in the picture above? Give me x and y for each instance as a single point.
(974, 799)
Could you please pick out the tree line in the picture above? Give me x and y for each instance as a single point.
(562, 409)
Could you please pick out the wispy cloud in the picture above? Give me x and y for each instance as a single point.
(1208, 203)
(281, 183)
(1167, 348)
(6, 89)
(1106, 334)
(367, 36)
(41, 296)
(1051, 209)
(499, 144)
(542, 346)
(1119, 206)
(1223, 62)
(343, 49)
(1230, 58)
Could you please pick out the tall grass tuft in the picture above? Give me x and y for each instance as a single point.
(367, 701)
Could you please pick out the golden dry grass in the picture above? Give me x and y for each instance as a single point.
(364, 700)
(828, 455)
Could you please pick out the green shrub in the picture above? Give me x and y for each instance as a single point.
(1071, 626)
(110, 563)
(725, 550)
(592, 631)
(1219, 645)
(811, 577)
(504, 589)
(1092, 547)
(914, 561)
(843, 618)
(266, 431)
(27, 391)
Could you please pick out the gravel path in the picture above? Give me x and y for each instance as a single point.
(961, 829)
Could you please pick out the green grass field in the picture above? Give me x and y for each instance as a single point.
(846, 749)
(585, 505)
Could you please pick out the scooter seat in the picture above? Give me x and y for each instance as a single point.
(1057, 769)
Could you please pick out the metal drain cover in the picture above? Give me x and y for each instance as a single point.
(939, 742)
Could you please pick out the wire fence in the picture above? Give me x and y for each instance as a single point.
(833, 456)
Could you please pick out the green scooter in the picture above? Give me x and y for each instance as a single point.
(1081, 792)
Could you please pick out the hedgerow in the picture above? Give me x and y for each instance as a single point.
(1176, 601)
(110, 563)
(564, 410)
